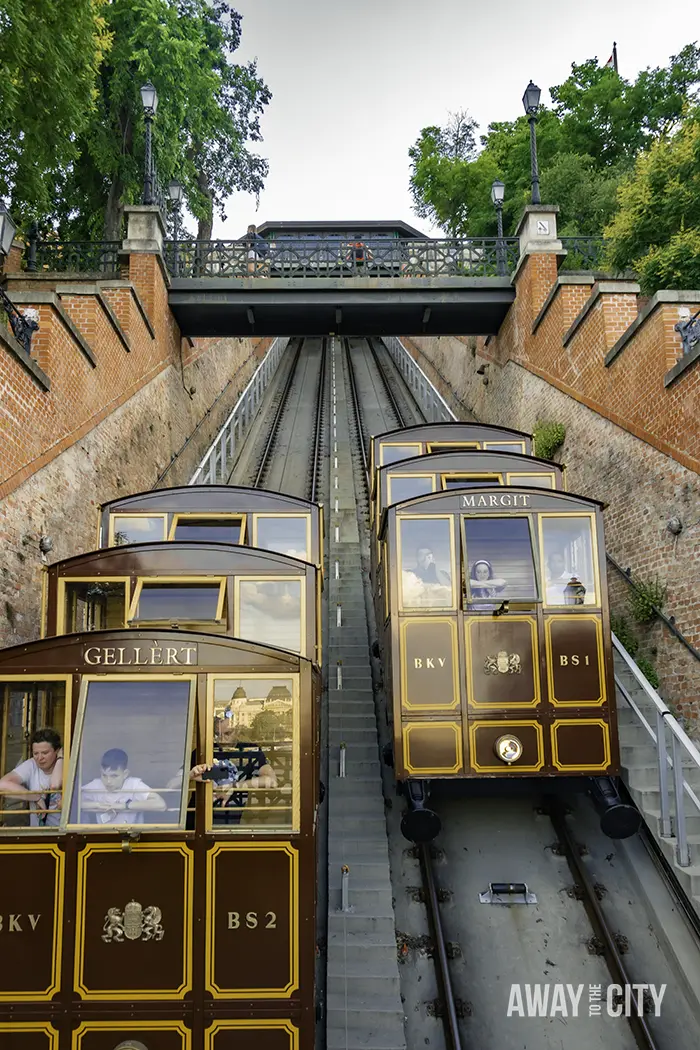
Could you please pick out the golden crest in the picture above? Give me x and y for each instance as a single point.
(133, 924)
(503, 663)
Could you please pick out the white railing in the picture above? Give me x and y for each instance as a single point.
(219, 459)
(682, 749)
(433, 406)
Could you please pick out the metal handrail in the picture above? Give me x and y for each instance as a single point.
(214, 466)
(680, 743)
(659, 613)
(432, 404)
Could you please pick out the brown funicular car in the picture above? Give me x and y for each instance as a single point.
(145, 908)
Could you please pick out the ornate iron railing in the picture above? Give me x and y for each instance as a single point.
(73, 256)
(585, 253)
(221, 455)
(376, 257)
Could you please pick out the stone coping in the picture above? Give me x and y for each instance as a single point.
(562, 280)
(680, 366)
(664, 296)
(600, 288)
(94, 290)
(10, 343)
(538, 209)
(52, 299)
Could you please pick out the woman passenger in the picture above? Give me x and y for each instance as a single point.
(482, 582)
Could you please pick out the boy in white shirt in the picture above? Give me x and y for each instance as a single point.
(116, 797)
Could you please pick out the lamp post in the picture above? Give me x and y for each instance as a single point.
(149, 99)
(175, 192)
(531, 101)
(498, 190)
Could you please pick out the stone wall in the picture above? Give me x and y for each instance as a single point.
(643, 487)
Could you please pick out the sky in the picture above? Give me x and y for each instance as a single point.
(354, 82)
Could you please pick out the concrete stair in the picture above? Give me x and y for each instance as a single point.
(638, 759)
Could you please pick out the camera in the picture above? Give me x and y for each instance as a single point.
(224, 770)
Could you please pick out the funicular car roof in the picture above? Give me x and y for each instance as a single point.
(208, 499)
(198, 558)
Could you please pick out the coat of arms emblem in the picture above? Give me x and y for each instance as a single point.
(133, 924)
(503, 663)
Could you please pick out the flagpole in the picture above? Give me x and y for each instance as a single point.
(615, 55)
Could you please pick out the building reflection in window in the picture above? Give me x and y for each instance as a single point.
(175, 601)
(427, 571)
(285, 535)
(270, 612)
(132, 754)
(254, 726)
(568, 560)
(499, 559)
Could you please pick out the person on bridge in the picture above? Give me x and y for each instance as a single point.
(258, 252)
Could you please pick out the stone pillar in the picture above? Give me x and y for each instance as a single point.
(12, 263)
(537, 230)
(145, 232)
(540, 253)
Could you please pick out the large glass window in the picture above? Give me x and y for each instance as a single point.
(159, 601)
(393, 453)
(470, 481)
(207, 530)
(568, 560)
(427, 563)
(537, 481)
(136, 528)
(271, 612)
(284, 534)
(132, 754)
(93, 605)
(407, 486)
(499, 560)
(255, 759)
(32, 716)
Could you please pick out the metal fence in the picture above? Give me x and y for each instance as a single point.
(54, 256)
(432, 405)
(219, 459)
(584, 253)
(311, 257)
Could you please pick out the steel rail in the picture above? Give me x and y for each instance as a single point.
(267, 451)
(387, 389)
(358, 415)
(618, 971)
(441, 961)
(316, 459)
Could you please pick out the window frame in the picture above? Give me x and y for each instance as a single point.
(206, 516)
(177, 829)
(533, 532)
(423, 609)
(212, 678)
(591, 515)
(494, 477)
(272, 578)
(430, 476)
(61, 597)
(138, 514)
(451, 446)
(67, 679)
(280, 514)
(521, 449)
(220, 619)
(532, 474)
(399, 444)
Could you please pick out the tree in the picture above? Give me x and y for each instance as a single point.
(209, 108)
(656, 231)
(587, 142)
(266, 726)
(49, 56)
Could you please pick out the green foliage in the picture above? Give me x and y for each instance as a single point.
(657, 228)
(49, 56)
(586, 144)
(645, 596)
(547, 438)
(267, 726)
(625, 634)
(648, 670)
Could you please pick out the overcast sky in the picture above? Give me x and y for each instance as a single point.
(354, 82)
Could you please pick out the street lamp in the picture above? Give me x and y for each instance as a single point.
(498, 191)
(149, 98)
(531, 102)
(175, 192)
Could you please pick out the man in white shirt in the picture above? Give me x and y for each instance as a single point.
(38, 780)
(557, 578)
(116, 797)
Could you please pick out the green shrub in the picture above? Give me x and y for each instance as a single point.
(624, 634)
(645, 597)
(548, 437)
(648, 670)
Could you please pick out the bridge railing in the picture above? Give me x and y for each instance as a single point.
(432, 405)
(584, 253)
(314, 257)
(57, 256)
(220, 457)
